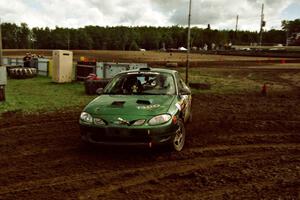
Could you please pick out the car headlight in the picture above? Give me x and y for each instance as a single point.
(139, 122)
(86, 117)
(160, 119)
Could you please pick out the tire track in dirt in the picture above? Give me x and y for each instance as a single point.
(69, 154)
(30, 185)
(60, 145)
(5, 130)
(186, 164)
(62, 142)
(164, 172)
(246, 179)
(42, 156)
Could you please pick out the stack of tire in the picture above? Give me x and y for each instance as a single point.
(91, 86)
(22, 72)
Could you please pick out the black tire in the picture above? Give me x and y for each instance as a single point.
(31, 72)
(17, 73)
(14, 73)
(178, 140)
(11, 73)
(23, 73)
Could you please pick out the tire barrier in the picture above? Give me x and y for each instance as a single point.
(2, 93)
(9, 67)
(22, 73)
(91, 86)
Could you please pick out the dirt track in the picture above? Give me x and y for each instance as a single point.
(155, 58)
(238, 147)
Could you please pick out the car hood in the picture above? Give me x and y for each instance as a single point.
(130, 105)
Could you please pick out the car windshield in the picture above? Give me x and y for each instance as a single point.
(142, 83)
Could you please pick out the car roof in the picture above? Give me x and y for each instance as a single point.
(152, 70)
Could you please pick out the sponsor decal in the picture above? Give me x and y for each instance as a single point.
(148, 107)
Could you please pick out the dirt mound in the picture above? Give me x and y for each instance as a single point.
(238, 147)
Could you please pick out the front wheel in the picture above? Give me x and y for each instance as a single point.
(179, 138)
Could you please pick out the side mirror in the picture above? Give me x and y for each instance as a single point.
(184, 92)
(99, 91)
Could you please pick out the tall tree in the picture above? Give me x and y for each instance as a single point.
(291, 26)
(129, 38)
(9, 36)
(23, 34)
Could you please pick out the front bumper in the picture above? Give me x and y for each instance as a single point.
(128, 136)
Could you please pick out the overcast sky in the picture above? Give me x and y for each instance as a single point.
(220, 14)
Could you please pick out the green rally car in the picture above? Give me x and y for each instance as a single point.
(144, 107)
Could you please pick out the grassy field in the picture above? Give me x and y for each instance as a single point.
(245, 80)
(40, 94)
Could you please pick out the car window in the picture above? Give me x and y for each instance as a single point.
(182, 87)
(142, 83)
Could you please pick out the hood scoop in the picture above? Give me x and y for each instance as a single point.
(118, 103)
(144, 102)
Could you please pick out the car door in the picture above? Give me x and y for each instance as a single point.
(185, 97)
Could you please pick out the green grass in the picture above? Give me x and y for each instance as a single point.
(236, 81)
(40, 94)
(223, 81)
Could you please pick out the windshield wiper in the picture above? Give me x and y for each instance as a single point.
(112, 93)
(147, 93)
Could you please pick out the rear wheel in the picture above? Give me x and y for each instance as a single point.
(179, 138)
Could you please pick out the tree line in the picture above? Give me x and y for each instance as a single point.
(131, 38)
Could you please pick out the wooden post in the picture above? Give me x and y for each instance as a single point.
(3, 82)
(262, 24)
(2, 87)
(188, 45)
(2, 93)
(0, 44)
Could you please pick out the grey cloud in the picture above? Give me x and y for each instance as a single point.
(105, 7)
(218, 13)
(203, 12)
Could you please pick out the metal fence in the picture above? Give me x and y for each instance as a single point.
(104, 70)
(41, 64)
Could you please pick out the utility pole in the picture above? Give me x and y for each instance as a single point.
(237, 23)
(68, 40)
(188, 45)
(0, 43)
(287, 36)
(236, 28)
(3, 76)
(262, 24)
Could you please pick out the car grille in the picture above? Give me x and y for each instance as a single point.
(119, 136)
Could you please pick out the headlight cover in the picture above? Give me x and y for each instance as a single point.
(139, 122)
(86, 117)
(160, 119)
(99, 122)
